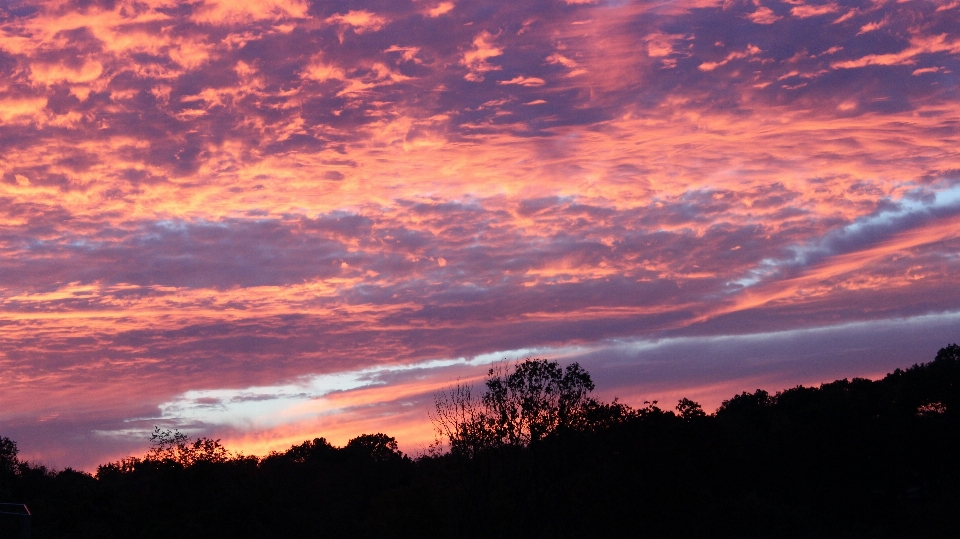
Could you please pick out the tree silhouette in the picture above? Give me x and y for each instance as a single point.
(172, 446)
(167, 443)
(535, 456)
(689, 409)
(462, 420)
(535, 399)
(8, 455)
(8, 466)
(518, 408)
(377, 447)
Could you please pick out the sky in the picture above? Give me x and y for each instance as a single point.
(274, 220)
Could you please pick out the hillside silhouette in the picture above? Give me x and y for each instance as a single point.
(534, 456)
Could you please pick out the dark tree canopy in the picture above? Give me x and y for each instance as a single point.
(536, 457)
(688, 409)
(536, 399)
(8, 455)
(376, 447)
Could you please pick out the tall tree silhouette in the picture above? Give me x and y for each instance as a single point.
(518, 408)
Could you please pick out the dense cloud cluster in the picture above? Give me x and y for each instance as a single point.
(229, 195)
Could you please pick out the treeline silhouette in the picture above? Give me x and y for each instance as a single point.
(535, 456)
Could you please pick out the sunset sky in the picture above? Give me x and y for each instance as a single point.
(274, 220)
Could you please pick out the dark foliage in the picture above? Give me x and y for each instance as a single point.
(519, 408)
(852, 458)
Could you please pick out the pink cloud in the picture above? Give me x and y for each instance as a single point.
(524, 81)
(804, 11)
(751, 50)
(764, 15)
(476, 59)
(214, 198)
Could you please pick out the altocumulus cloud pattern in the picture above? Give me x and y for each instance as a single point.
(273, 219)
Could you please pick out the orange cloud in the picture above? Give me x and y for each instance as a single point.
(751, 50)
(524, 81)
(225, 12)
(441, 9)
(804, 11)
(476, 59)
(215, 197)
(918, 45)
(764, 15)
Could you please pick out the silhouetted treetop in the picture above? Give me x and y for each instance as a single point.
(376, 447)
(519, 407)
(535, 399)
(310, 450)
(535, 456)
(8, 455)
(173, 446)
(689, 409)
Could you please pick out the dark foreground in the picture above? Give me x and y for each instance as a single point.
(848, 459)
